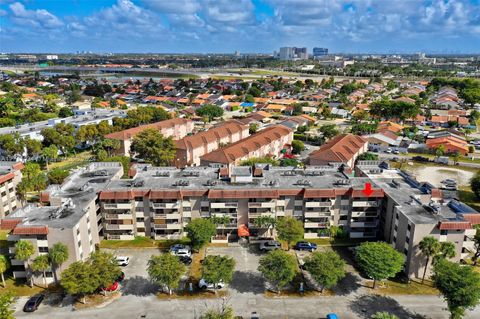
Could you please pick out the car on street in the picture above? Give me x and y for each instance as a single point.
(396, 152)
(112, 287)
(388, 150)
(449, 181)
(33, 303)
(270, 245)
(305, 245)
(185, 260)
(182, 253)
(123, 261)
(203, 284)
(332, 316)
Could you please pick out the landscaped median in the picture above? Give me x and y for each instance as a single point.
(142, 242)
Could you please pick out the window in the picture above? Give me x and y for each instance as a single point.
(395, 228)
(409, 227)
(405, 251)
(396, 216)
(394, 239)
(444, 232)
(79, 243)
(43, 249)
(407, 240)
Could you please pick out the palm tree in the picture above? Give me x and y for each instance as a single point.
(447, 249)
(430, 247)
(221, 220)
(4, 265)
(24, 250)
(456, 157)
(58, 255)
(267, 222)
(41, 264)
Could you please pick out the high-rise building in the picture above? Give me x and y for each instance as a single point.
(292, 53)
(317, 52)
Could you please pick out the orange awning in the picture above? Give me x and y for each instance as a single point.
(243, 231)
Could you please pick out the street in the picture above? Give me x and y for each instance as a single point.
(245, 295)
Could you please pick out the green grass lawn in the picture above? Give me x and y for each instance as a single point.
(466, 195)
(20, 288)
(141, 242)
(73, 161)
(415, 287)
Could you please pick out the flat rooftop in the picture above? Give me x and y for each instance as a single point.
(78, 190)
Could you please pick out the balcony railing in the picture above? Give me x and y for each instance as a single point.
(117, 206)
(165, 205)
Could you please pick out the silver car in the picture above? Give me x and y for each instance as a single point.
(270, 245)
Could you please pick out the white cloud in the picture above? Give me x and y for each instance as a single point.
(39, 18)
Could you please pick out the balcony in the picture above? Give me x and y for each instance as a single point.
(255, 215)
(364, 224)
(318, 204)
(280, 213)
(281, 202)
(169, 216)
(118, 216)
(204, 203)
(261, 204)
(224, 205)
(175, 205)
(186, 204)
(365, 204)
(345, 202)
(317, 214)
(299, 202)
(362, 234)
(120, 237)
(187, 214)
(118, 206)
(316, 225)
(139, 214)
(364, 214)
(119, 226)
(42, 243)
(174, 226)
(140, 224)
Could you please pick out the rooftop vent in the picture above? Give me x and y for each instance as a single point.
(181, 182)
(102, 172)
(190, 174)
(162, 174)
(342, 182)
(289, 173)
(304, 182)
(314, 173)
(137, 183)
(211, 182)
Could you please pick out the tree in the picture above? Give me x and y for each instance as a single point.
(166, 270)
(216, 269)
(456, 157)
(106, 267)
(253, 128)
(200, 231)
(447, 249)
(475, 184)
(384, 315)
(4, 266)
(429, 246)
(278, 267)
(24, 250)
(65, 112)
(6, 302)
(49, 153)
(41, 264)
(326, 268)
(80, 278)
(210, 111)
(459, 285)
(367, 157)
(440, 151)
(379, 260)
(297, 146)
(221, 220)
(476, 243)
(153, 147)
(328, 131)
(57, 176)
(34, 147)
(265, 221)
(289, 229)
(58, 254)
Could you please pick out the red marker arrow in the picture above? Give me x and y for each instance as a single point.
(368, 189)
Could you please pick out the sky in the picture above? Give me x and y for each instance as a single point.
(247, 26)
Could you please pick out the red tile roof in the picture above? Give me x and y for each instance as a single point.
(129, 133)
(6, 177)
(30, 230)
(341, 148)
(454, 225)
(474, 219)
(9, 224)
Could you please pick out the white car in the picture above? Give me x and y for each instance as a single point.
(270, 245)
(123, 260)
(182, 253)
(389, 150)
(202, 284)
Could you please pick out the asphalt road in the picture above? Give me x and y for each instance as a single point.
(245, 296)
(409, 157)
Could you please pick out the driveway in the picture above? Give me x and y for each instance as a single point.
(246, 278)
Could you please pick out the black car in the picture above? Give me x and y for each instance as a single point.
(33, 303)
(305, 245)
(185, 260)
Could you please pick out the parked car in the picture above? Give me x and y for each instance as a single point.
(123, 261)
(203, 284)
(332, 316)
(396, 152)
(388, 150)
(449, 181)
(305, 245)
(177, 247)
(184, 252)
(33, 303)
(420, 159)
(112, 287)
(270, 245)
(185, 260)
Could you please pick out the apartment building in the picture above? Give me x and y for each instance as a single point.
(72, 218)
(10, 176)
(159, 202)
(176, 128)
(191, 148)
(268, 142)
(342, 149)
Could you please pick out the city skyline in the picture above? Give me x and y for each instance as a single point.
(203, 26)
